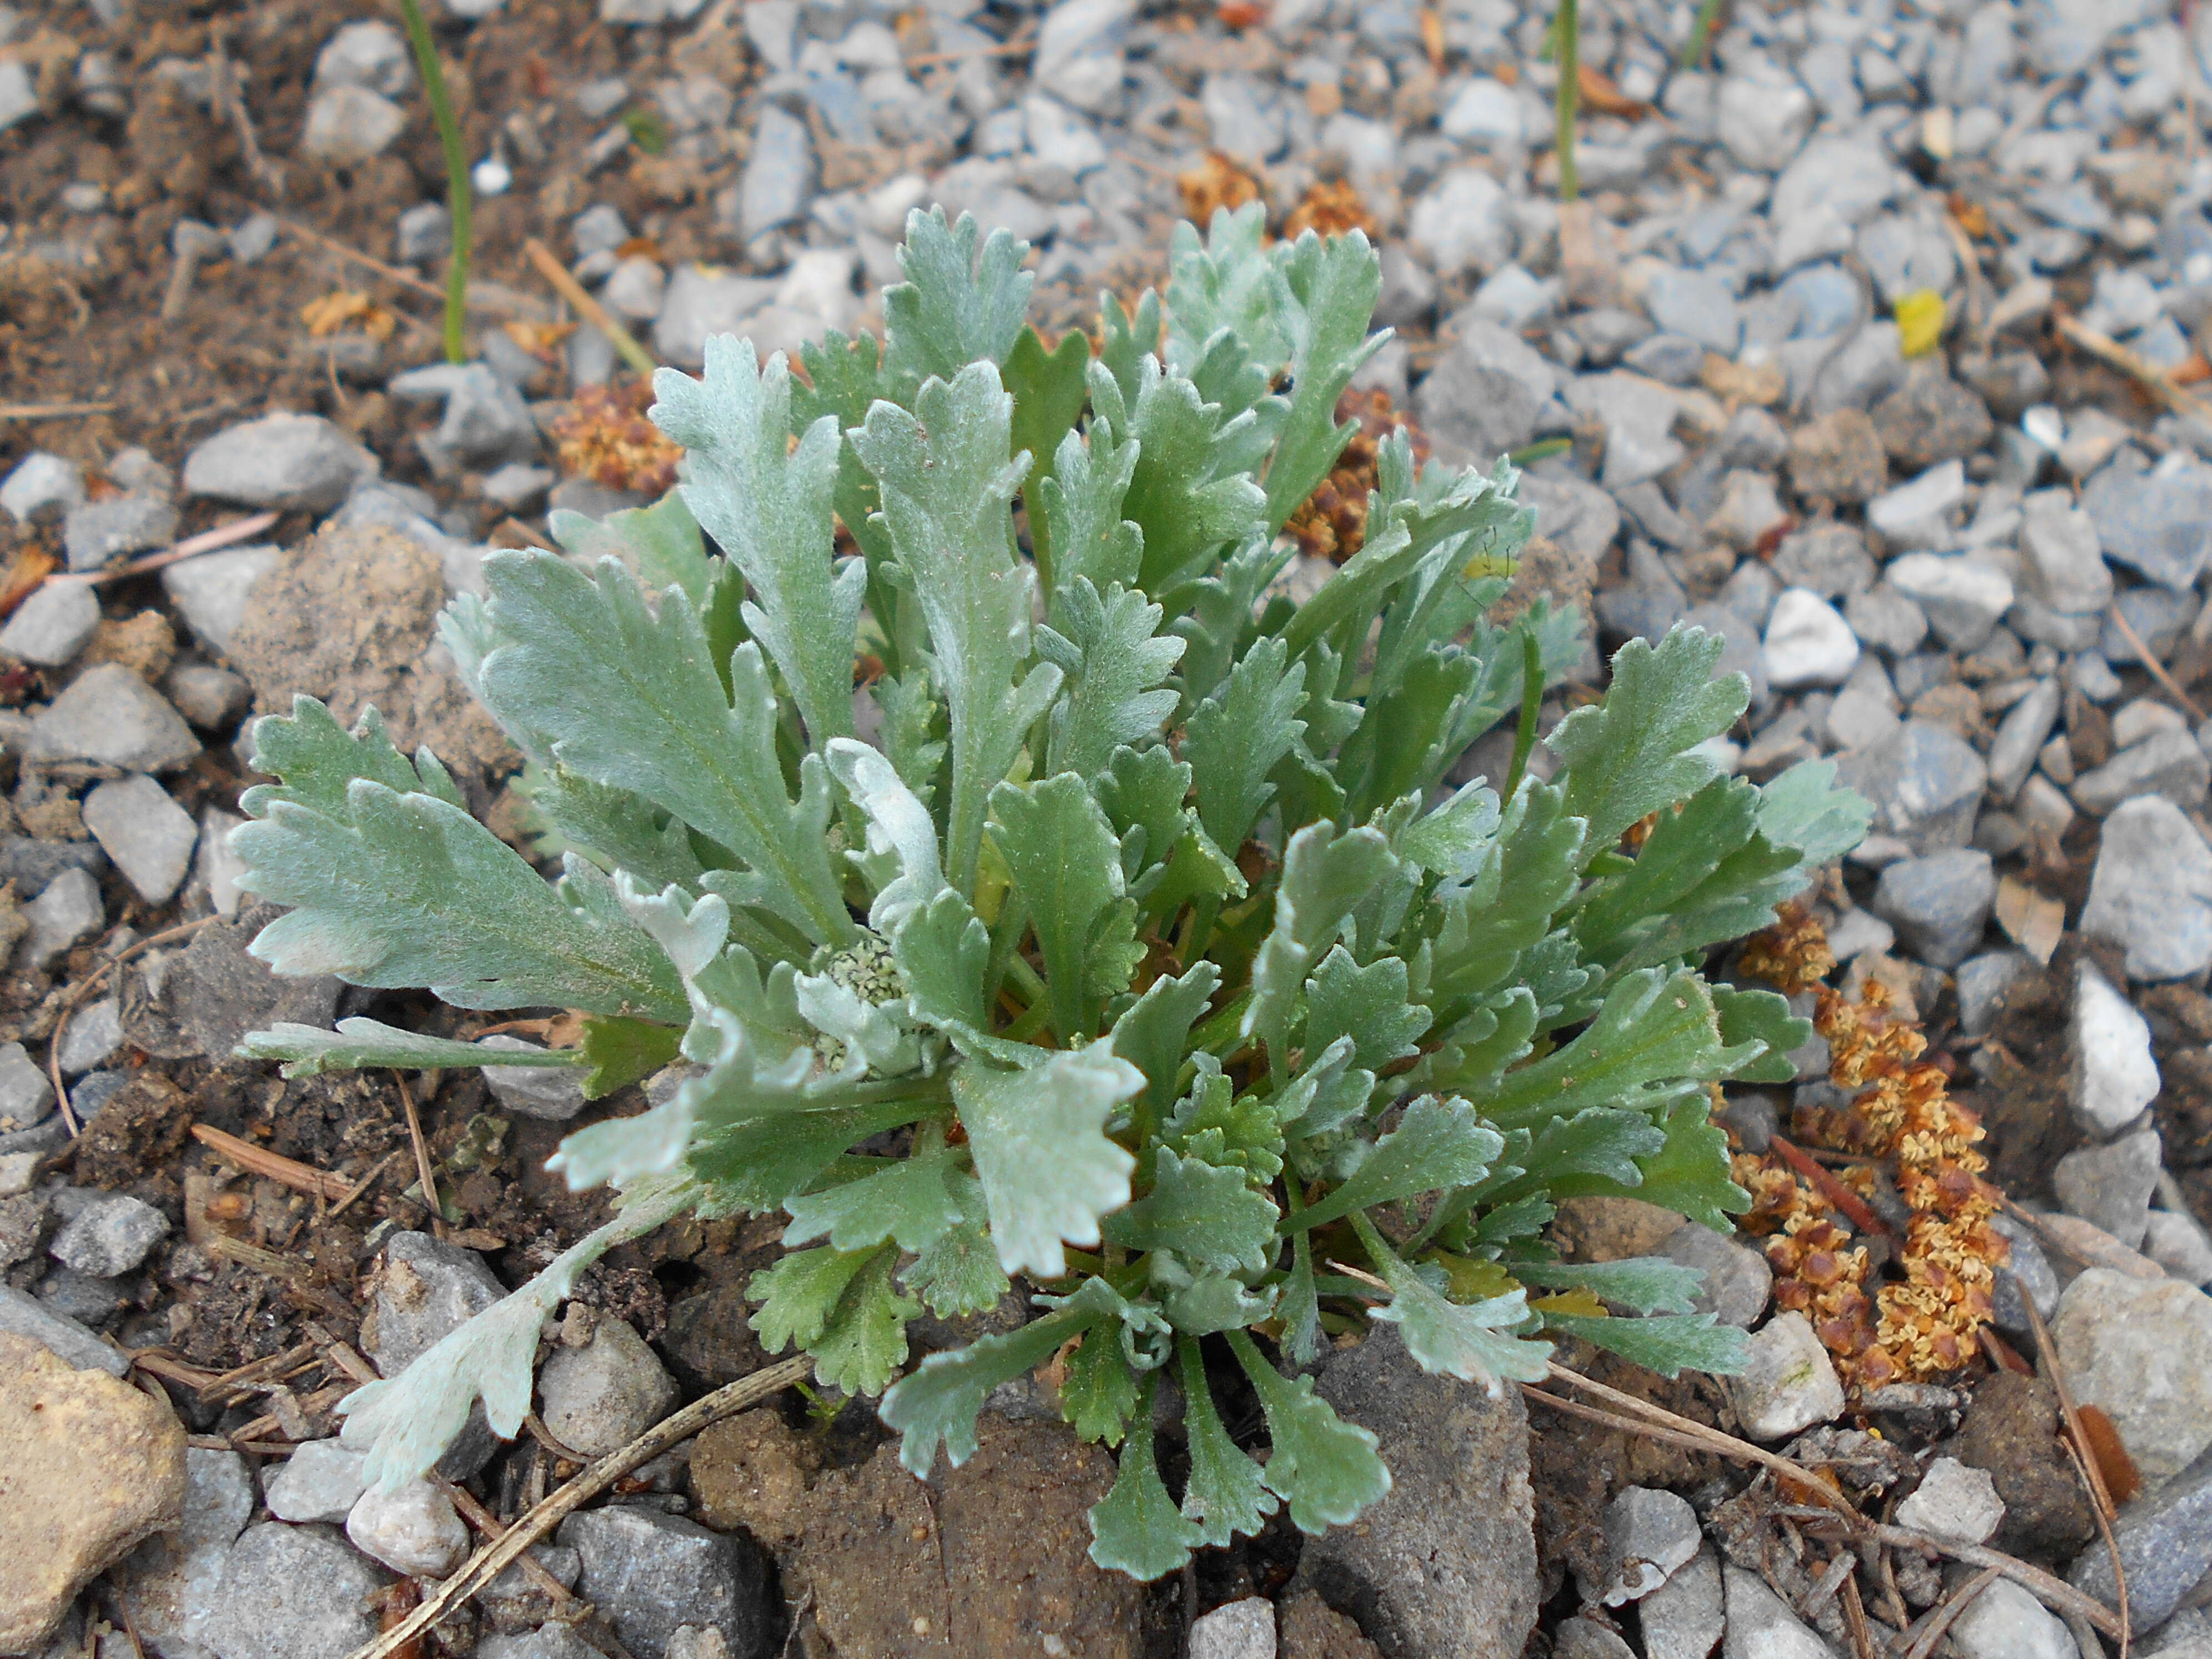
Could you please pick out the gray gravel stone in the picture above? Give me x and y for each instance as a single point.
(553, 1094)
(650, 1573)
(148, 835)
(292, 1593)
(371, 54)
(210, 591)
(2112, 1074)
(1696, 304)
(2027, 1275)
(2141, 1349)
(1684, 1617)
(109, 1236)
(2165, 1547)
(2063, 561)
(1238, 1630)
(2169, 765)
(414, 1529)
(2177, 1244)
(52, 625)
(22, 1315)
(2160, 527)
(1462, 224)
(554, 1641)
(424, 1289)
(1925, 783)
(1485, 394)
(1760, 1624)
(282, 460)
(486, 422)
(69, 908)
(96, 532)
(94, 1038)
(2111, 1185)
(26, 1094)
(320, 1482)
(1981, 980)
(1648, 1533)
(1953, 1501)
(1807, 642)
(348, 125)
(701, 303)
(170, 1583)
(42, 487)
(1921, 512)
(1585, 1638)
(1830, 559)
(1963, 597)
(1638, 416)
(209, 698)
(1737, 1279)
(1938, 905)
(1885, 620)
(111, 716)
(2007, 1622)
(599, 1397)
(2022, 734)
(1789, 1383)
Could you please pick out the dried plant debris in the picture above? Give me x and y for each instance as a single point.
(1332, 522)
(1897, 1123)
(605, 437)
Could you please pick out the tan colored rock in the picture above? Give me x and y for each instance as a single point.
(89, 1466)
(349, 616)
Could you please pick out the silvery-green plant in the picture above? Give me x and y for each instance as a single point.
(1120, 936)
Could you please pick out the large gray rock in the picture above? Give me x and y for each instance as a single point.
(2164, 1543)
(148, 835)
(1925, 782)
(1648, 1533)
(68, 1341)
(280, 460)
(2151, 893)
(2140, 1349)
(652, 1573)
(291, 1593)
(110, 716)
(1459, 1505)
(1938, 905)
(1684, 1617)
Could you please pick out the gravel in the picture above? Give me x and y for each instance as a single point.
(109, 1236)
(210, 591)
(651, 1573)
(149, 836)
(52, 625)
(281, 460)
(2151, 893)
(2111, 1185)
(42, 488)
(1236, 1630)
(320, 1482)
(1789, 1383)
(111, 717)
(2141, 1349)
(1939, 904)
(291, 1593)
(1953, 1501)
(2112, 1074)
(413, 1529)
(601, 1395)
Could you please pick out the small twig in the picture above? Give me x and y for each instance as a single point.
(1831, 1189)
(51, 411)
(479, 299)
(422, 1156)
(535, 1425)
(286, 1171)
(494, 1529)
(232, 96)
(487, 1563)
(585, 306)
(262, 1262)
(2135, 367)
(69, 1003)
(2149, 660)
(1940, 1620)
(1021, 43)
(1855, 1621)
(2099, 1496)
(2085, 1465)
(361, 1186)
(206, 542)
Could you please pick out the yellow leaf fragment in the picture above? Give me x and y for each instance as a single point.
(1919, 322)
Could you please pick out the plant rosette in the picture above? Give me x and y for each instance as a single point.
(1125, 917)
